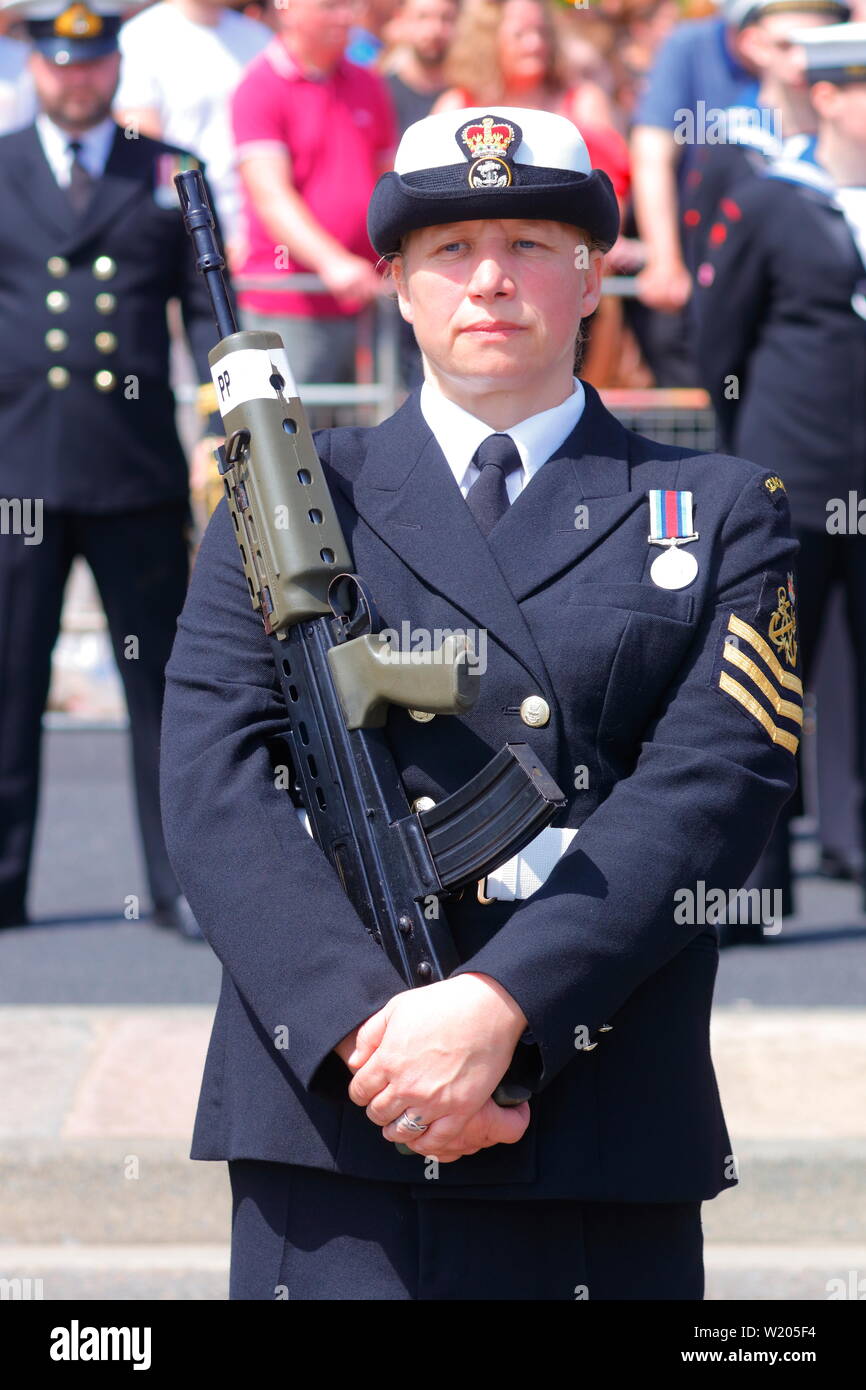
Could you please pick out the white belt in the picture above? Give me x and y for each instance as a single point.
(520, 875)
(523, 873)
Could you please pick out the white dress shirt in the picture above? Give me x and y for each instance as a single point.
(95, 147)
(537, 438)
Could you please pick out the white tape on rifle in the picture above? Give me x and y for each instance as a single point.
(245, 375)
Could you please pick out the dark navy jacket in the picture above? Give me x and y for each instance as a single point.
(775, 304)
(109, 273)
(684, 784)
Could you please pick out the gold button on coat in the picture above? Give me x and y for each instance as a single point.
(421, 715)
(57, 266)
(535, 711)
(57, 301)
(105, 303)
(104, 267)
(56, 339)
(105, 381)
(58, 377)
(106, 342)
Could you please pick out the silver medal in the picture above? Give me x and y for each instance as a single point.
(674, 568)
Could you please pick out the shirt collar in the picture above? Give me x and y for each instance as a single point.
(288, 67)
(537, 438)
(95, 143)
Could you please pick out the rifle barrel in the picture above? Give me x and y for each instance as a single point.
(199, 221)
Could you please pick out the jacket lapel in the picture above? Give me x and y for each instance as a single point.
(574, 500)
(33, 176)
(407, 493)
(49, 203)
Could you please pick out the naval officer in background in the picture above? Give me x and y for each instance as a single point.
(92, 248)
(781, 305)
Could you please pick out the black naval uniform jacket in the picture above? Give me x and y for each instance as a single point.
(781, 307)
(683, 783)
(86, 409)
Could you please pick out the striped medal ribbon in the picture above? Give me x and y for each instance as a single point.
(671, 527)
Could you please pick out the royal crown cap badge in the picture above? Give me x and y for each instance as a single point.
(78, 22)
(490, 143)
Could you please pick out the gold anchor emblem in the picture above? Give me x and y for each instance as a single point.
(783, 628)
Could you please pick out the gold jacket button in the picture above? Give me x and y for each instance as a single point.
(57, 266)
(58, 377)
(106, 342)
(57, 301)
(104, 267)
(56, 339)
(421, 715)
(535, 711)
(105, 381)
(105, 303)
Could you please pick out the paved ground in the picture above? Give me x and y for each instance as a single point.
(104, 1023)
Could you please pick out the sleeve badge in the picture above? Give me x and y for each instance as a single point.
(757, 671)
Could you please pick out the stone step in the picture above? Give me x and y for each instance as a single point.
(99, 1105)
(777, 1273)
(101, 1192)
(816, 1273)
(802, 1191)
(106, 1191)
(103, 1272)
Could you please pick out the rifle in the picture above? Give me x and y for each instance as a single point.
(339, 674)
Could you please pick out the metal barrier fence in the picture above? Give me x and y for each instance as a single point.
(682, 417)
(672, 416)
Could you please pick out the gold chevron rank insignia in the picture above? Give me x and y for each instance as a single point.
(762, 686)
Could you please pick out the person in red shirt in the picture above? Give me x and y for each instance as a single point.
(510, 53)
(313, 133)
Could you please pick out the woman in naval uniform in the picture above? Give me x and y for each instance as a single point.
(629, 597)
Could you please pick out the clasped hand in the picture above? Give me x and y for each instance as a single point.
(440, 1052)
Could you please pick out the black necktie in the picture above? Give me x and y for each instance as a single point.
(487, 499)
(80, 185)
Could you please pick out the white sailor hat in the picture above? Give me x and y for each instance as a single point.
(743, 12)
(496, 161)
(834, 54)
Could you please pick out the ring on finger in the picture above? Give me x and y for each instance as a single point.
(412, 1122)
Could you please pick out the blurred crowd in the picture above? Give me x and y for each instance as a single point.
(734, 135)
(293, 137)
